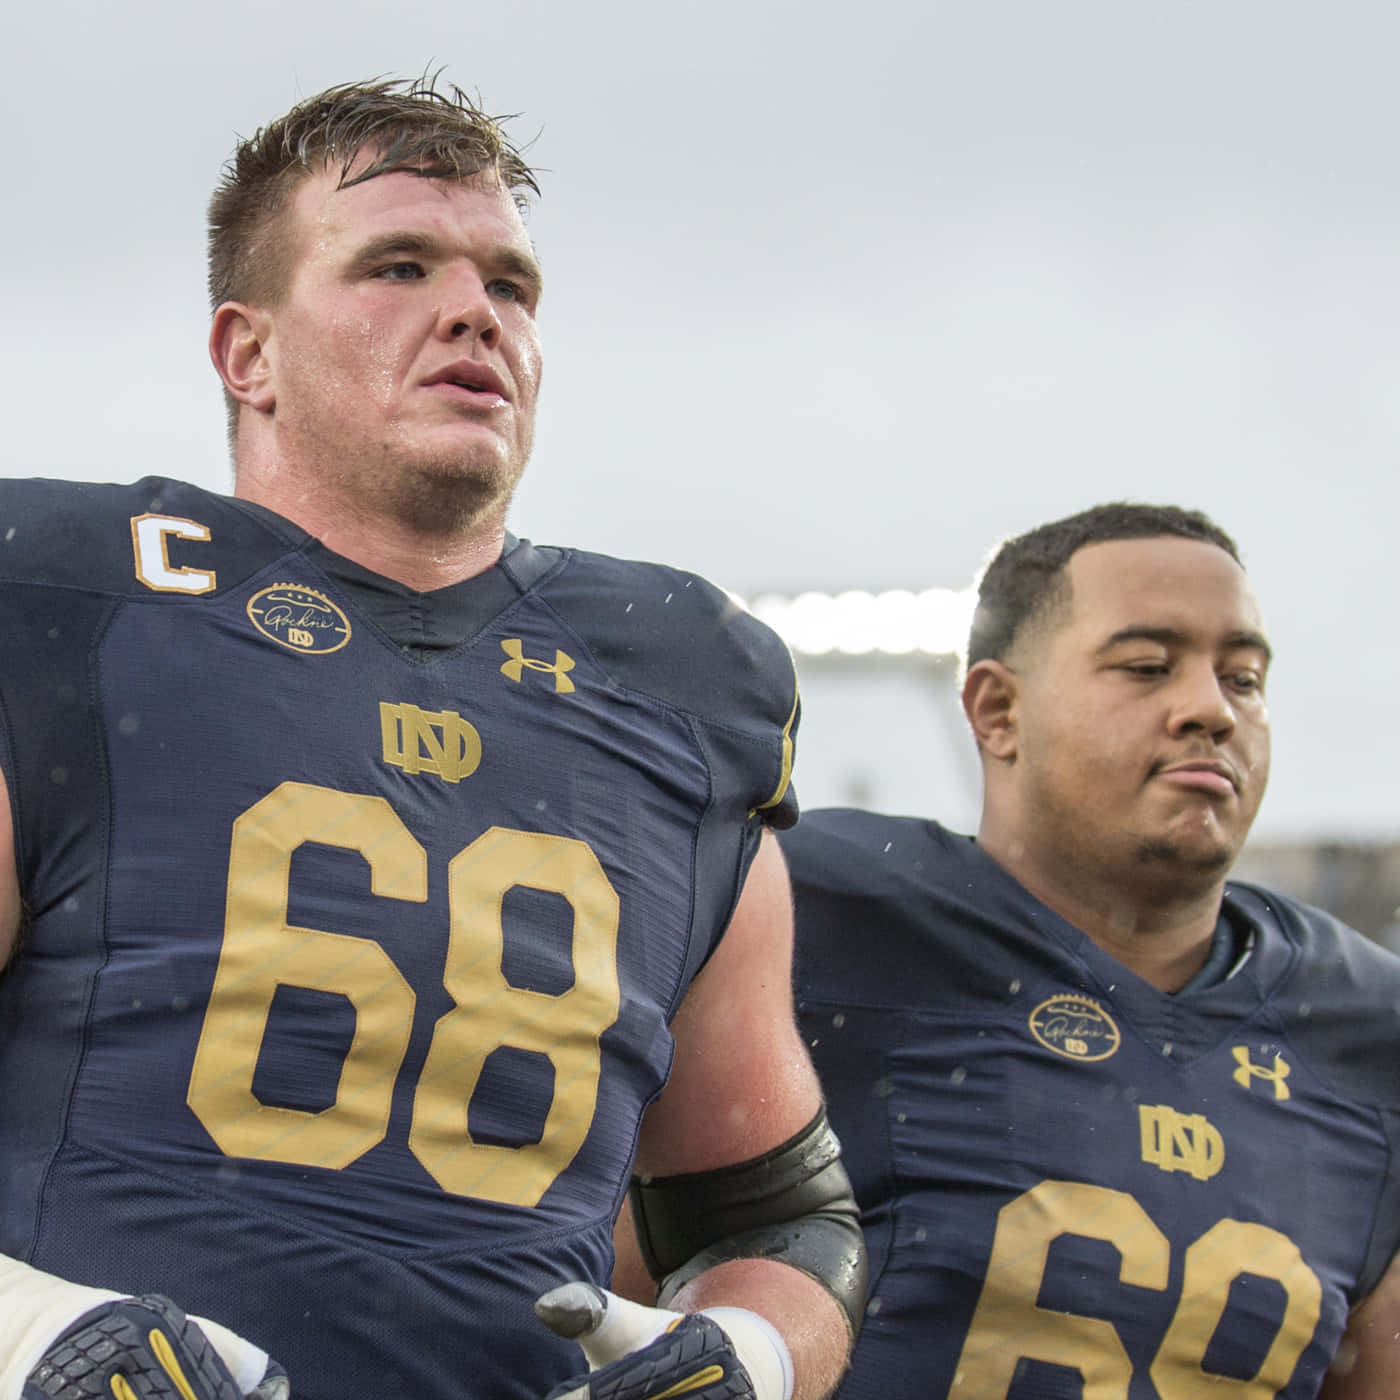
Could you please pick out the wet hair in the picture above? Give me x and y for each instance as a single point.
(1026, 578)
(399, 124)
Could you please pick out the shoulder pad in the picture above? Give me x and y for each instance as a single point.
(155, 536)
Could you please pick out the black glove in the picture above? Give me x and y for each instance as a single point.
(143, 1349)
(641, 1353)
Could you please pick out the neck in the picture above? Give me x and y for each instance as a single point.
(418, 556)
(1158, 924)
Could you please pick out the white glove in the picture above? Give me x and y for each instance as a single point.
(36, 1309)
(620, 1338)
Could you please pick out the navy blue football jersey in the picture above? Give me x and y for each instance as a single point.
(356, 919)
(1073, 1184)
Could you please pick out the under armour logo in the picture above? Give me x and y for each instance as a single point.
(1248, 1071)
(519, 663)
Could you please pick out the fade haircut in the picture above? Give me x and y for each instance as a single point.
(399, 124)
(1026, 579)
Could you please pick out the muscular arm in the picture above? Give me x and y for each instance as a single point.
(1367, 1364)
(631, 1278)
(741, 1084)
(9, 880)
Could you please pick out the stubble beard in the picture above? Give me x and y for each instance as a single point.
(447, 497)
(1161, 868)
(451, 505)
(1206, 849)
(1158, 851)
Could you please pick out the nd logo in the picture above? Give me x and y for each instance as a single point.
(519, 663)
(429, 741)
(1180, 1142)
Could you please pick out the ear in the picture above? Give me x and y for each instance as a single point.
(237, 346)
(989, 697)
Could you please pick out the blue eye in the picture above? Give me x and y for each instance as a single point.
(505, 289)
(400, 272)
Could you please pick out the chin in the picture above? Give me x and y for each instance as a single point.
(449, 494)
(1202, 857)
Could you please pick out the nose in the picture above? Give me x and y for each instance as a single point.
(1200, 703)
(468, 312)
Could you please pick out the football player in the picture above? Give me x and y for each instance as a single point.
(1119, 1128)
(367, 873)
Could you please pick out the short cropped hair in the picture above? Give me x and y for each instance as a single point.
(1026, 577)
(400, 124)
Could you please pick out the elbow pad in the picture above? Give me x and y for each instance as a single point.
(793, 1204)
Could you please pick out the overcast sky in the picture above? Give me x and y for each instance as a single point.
(837, 294)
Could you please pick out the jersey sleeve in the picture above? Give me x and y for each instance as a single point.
(686, 643)
(1342, 996)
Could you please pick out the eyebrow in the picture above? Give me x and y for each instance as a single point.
(424, 245)
(1171, 636)
(521, 266)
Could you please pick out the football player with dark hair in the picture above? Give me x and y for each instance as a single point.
(1120, 1128)
(377, 889)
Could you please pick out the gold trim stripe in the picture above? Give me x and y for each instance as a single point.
(691, 1383)
(165, 1354)
(785, 775)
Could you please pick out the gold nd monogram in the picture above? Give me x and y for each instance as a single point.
(1180, 1142)
(520, 663)
(429, 741)
(1249, 1071)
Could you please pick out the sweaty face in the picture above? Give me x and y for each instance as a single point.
(1143, 740)
(404, 355)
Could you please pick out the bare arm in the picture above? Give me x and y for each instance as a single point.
(9, 879)
(630, 1275)
(1367, 1364)
(742, 1083)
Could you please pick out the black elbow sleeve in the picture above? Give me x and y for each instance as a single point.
(793, 1204)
